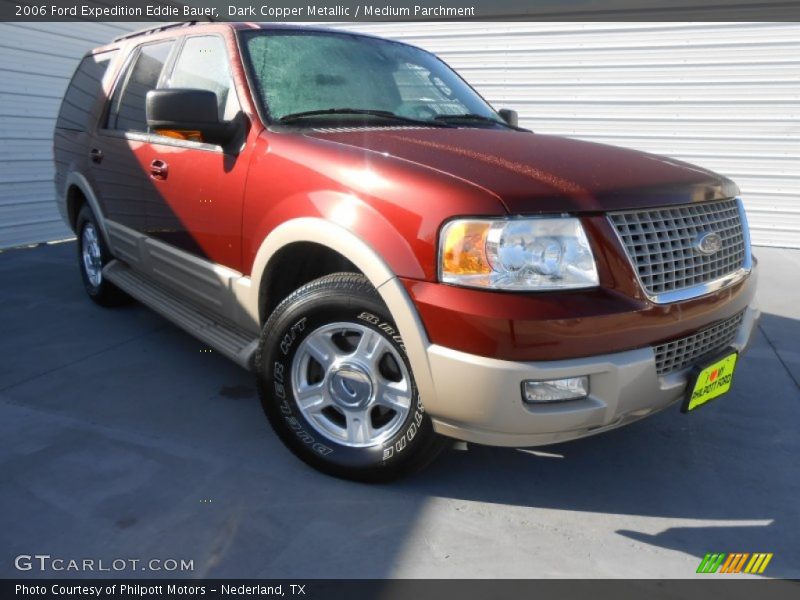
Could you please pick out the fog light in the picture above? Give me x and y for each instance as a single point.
(555, 390)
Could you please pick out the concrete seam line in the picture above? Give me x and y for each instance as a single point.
(778, 356)
(78, 360)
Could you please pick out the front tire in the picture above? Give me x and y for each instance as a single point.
(336, 384)
(93, 256)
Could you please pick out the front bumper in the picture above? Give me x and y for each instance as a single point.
(478, 399)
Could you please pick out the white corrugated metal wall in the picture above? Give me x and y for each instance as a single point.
(722, 95)
(36, 63)
(725, 96)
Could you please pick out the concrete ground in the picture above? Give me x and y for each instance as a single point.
(121, 438)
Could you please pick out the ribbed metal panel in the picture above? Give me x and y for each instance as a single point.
(722, 95)
(36, 62)
(725, 96)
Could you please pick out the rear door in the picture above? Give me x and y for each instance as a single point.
(121, 154)
(78, 115)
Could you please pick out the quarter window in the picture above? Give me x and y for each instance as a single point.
(128, 104)
(84, 88)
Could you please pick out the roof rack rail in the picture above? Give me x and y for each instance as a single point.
(156, 29)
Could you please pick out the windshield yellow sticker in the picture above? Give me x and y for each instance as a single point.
(713, 381)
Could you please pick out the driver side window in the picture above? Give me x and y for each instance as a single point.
(203, 65)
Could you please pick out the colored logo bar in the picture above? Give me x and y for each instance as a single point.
(735, 562)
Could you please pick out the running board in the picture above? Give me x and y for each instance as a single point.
(224, 337)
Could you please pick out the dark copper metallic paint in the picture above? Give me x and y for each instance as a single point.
(553, 326)
(534, 173)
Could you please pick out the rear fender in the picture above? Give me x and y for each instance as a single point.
(75, 179)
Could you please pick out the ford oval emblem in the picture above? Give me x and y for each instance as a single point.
(708, 243)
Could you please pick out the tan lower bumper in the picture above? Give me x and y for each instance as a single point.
(479, 399)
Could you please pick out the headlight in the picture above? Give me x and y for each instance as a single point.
(517, 254)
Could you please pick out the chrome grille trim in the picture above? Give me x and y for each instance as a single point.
(659, 243)
(685, 352)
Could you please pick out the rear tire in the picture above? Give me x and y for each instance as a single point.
(93, 256)
(336, 384)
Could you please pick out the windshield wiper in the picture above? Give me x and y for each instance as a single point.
(384, 114)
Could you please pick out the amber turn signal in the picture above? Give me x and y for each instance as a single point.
(464, 248)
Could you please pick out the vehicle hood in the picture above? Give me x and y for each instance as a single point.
(532, 173)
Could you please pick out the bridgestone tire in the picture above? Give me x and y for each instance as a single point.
(321, 306)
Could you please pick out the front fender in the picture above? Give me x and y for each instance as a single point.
(333, 234)
(349, 214)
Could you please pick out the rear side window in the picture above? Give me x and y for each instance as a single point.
(203, 65)
(128, 104)
(84, 88)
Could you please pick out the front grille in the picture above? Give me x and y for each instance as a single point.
(661, 244)
(682, 353)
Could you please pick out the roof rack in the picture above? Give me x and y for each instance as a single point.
(156, 29)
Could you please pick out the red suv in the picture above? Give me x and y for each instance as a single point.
(397, 262)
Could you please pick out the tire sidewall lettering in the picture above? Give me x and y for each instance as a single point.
(388, 328)
(290, 336)
(279, 370)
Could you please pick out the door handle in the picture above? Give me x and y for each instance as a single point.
(159, 169)
(96, 155)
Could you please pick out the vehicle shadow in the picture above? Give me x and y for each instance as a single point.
(732, 463)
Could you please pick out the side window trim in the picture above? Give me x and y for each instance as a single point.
(169, 64)
(108, 87)
(119, 85)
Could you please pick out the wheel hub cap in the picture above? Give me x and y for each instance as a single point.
(350, 386)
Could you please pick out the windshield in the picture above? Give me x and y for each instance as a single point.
(302, 72)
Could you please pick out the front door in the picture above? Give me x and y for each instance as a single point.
(200, 187)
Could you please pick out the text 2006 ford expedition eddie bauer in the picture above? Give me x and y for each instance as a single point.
(396, 261)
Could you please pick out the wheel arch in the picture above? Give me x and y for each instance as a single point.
(294, 265)
(77, 192)
(336, 238)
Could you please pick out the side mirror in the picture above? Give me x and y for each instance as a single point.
(509, 116)
(188, 111)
